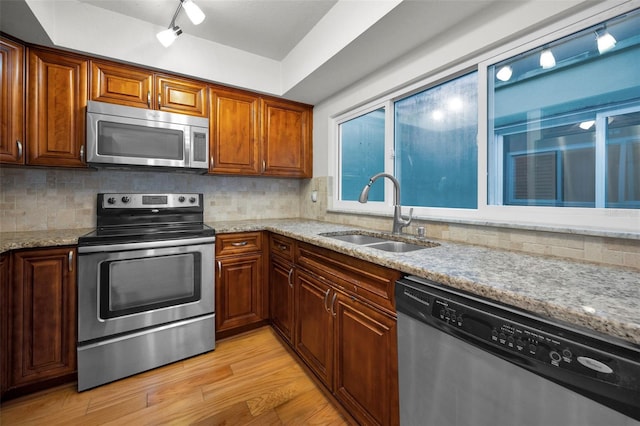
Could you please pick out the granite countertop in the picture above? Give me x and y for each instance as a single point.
(602, 298)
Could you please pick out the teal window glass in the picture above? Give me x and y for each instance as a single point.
(362, 154)
(435, 145)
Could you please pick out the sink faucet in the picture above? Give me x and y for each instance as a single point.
(399, 221)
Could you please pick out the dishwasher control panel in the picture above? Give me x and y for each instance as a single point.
(530, 342)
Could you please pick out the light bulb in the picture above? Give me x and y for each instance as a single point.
(605, 42)
(547, 60)
(168, 36)
(195, 14)
(505, 73)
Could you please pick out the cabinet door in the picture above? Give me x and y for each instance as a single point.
(286, 139)
(42, 316)
(366, 379)
(4, 322)
(181, 96)
(281, 297)
(11, 102)
(56, 102)
(313, 331)
(119, 84)
(234, 133)
(238, 291)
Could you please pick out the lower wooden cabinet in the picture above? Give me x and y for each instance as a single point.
(40, 298)
(345, 331)
(241, 302)
(314, 339)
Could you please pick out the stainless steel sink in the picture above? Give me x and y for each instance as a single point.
(395, 244)
(358, 239)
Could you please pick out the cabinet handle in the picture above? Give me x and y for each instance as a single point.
(289, 279)
(82, 153)
(240, 244)
(70, 260)
(264, 166)
(159, 100)
(282, 247)
(19, 149)
(326, 297)
(149, 98)
(333, 302)
(219, 269)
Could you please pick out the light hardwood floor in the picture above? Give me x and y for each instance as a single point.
(249, 379)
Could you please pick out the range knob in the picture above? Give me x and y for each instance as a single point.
(126, 199)
(181, 198)
(111, 200)
(192, 199)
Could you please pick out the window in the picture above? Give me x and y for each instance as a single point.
(565, 133)
(433, 144)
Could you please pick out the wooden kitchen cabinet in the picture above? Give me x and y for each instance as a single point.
(12, 99)
(345, 331)
(138, 87)
(286, 139)
(241, 302)
(40, 319)
(56, 102)
(234, 135)
(259, 136)
(366, 362)
(314, 339)
(281, 288)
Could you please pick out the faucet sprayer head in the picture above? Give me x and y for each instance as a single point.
(364, 195)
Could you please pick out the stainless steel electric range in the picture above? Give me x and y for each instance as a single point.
(145, 285)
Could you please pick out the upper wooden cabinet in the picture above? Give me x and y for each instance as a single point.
(286, 139)
(56, 101)
(137, 87)
(234, 132)
(255, 136)
(11, 102)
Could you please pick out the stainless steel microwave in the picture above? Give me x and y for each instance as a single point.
(125, 136)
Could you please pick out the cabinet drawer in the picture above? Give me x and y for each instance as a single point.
(373, 283)
(243, 242)
(281, 246)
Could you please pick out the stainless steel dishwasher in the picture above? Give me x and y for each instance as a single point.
(464, 360)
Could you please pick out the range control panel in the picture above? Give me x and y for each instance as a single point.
(527, 341)
(140, 201)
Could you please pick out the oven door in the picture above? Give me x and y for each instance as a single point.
(127, 287)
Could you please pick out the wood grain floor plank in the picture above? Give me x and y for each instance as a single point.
(249, 379)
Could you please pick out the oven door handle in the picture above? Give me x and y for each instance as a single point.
(145, 245)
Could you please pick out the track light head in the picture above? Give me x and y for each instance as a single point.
(168, 36)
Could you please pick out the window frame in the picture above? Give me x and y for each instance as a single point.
(610, 221)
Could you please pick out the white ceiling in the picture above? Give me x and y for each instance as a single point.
(305, 50)
(269, 28)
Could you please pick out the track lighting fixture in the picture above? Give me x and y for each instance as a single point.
(547, 60)
(195, 14)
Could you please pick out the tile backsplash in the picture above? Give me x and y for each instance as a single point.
(44, 199)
